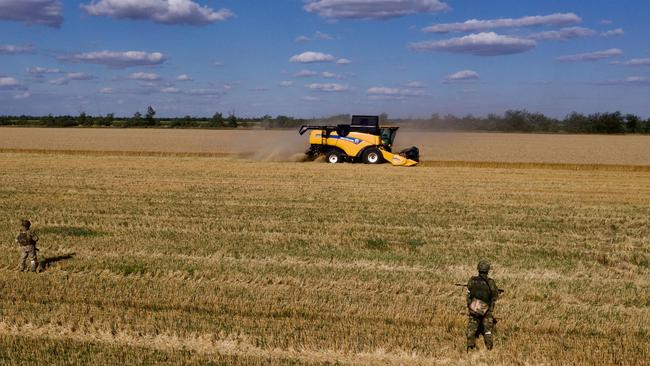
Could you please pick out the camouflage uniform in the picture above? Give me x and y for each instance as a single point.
(26, 240)
(484, 288)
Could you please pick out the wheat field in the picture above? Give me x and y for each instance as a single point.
(191, 259)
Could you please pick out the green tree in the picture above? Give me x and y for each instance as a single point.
(150, 119)
(217, 120)
(632, 123)
(232, 120)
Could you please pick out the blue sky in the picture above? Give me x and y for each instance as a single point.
(315, 58)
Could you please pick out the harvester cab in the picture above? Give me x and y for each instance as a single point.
(363, 140)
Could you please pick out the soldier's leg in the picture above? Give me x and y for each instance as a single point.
(23, 257)
(472, 328)
(34, 258)
(488, 327)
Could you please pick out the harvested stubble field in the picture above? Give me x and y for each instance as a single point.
(177, 259)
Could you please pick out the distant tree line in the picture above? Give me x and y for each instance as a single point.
(510, 121)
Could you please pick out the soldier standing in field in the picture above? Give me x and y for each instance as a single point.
(482, 293)
(26, 240)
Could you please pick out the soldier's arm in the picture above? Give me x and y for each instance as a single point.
(469, 299)
(34, 236)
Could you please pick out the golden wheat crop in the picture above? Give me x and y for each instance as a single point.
(278, 145)
(192, 260)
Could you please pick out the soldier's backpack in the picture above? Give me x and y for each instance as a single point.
(481, 295)
(24, 239)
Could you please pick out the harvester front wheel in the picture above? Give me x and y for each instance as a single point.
(334, 157)
(371, 156)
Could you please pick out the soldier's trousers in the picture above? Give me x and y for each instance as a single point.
(28, 251)
(478, 326)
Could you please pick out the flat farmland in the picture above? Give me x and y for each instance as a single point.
(197, 259)
(282, 144)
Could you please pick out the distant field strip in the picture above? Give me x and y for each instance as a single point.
(278, 145)
(165, 258)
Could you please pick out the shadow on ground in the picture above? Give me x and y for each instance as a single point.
(49, 261)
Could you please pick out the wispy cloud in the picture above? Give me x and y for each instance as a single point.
(312, 57)
(318, 36)
(613, 33)
(631, 80)
(563, 34)
(40, 71)
(481, 44)
(117, 59)
(633, 62)
(365, 9)
(43, 12)
(10, 49)
(328, 87)
(343, 61)
(8, 82)
(183, 77)
(394, 92)
(144, 76)
(591, 56)
(79, 76)
(176, 12)
(473, 25)
(305, 74)
(462, 76)
(286, 83)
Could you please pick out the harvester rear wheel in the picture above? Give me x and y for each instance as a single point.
(371, 156)
(333, 157)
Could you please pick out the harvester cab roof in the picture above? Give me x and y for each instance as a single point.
(363, 140)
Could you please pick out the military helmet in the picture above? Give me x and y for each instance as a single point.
(25, 223)
(483, 266)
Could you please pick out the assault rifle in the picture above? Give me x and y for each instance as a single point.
(461, 285)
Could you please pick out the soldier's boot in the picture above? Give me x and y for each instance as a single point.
(34, 265)
(487, 337)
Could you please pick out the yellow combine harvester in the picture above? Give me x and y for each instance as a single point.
(364, 140)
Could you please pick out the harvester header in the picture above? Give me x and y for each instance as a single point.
(363, 140)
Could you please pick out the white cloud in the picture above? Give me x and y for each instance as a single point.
(59, 81)
(185, 12)
(473, 25)
(43, 12)
(23, 95)
(8, 82)
(317, 36)
(305, 74)
(312, 57)
(10, 49)
(118, 59)
(332, 87)
(613, 32)
(343, 61)
(606, 22)
(591, 56)
(205, 92)
(322, 36)
(633, 62)
(386, 91)
(462, 76)
(631, 80)
(372, 9)
(563, 34)
(415, 85)
(144, 76)
(40, 71)
(309, 98)
(170, 90)
(481, 44)
(330, 75)
(183, 77)
(79, 76)
(218, 63)
(106, 91)
(286, 83)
